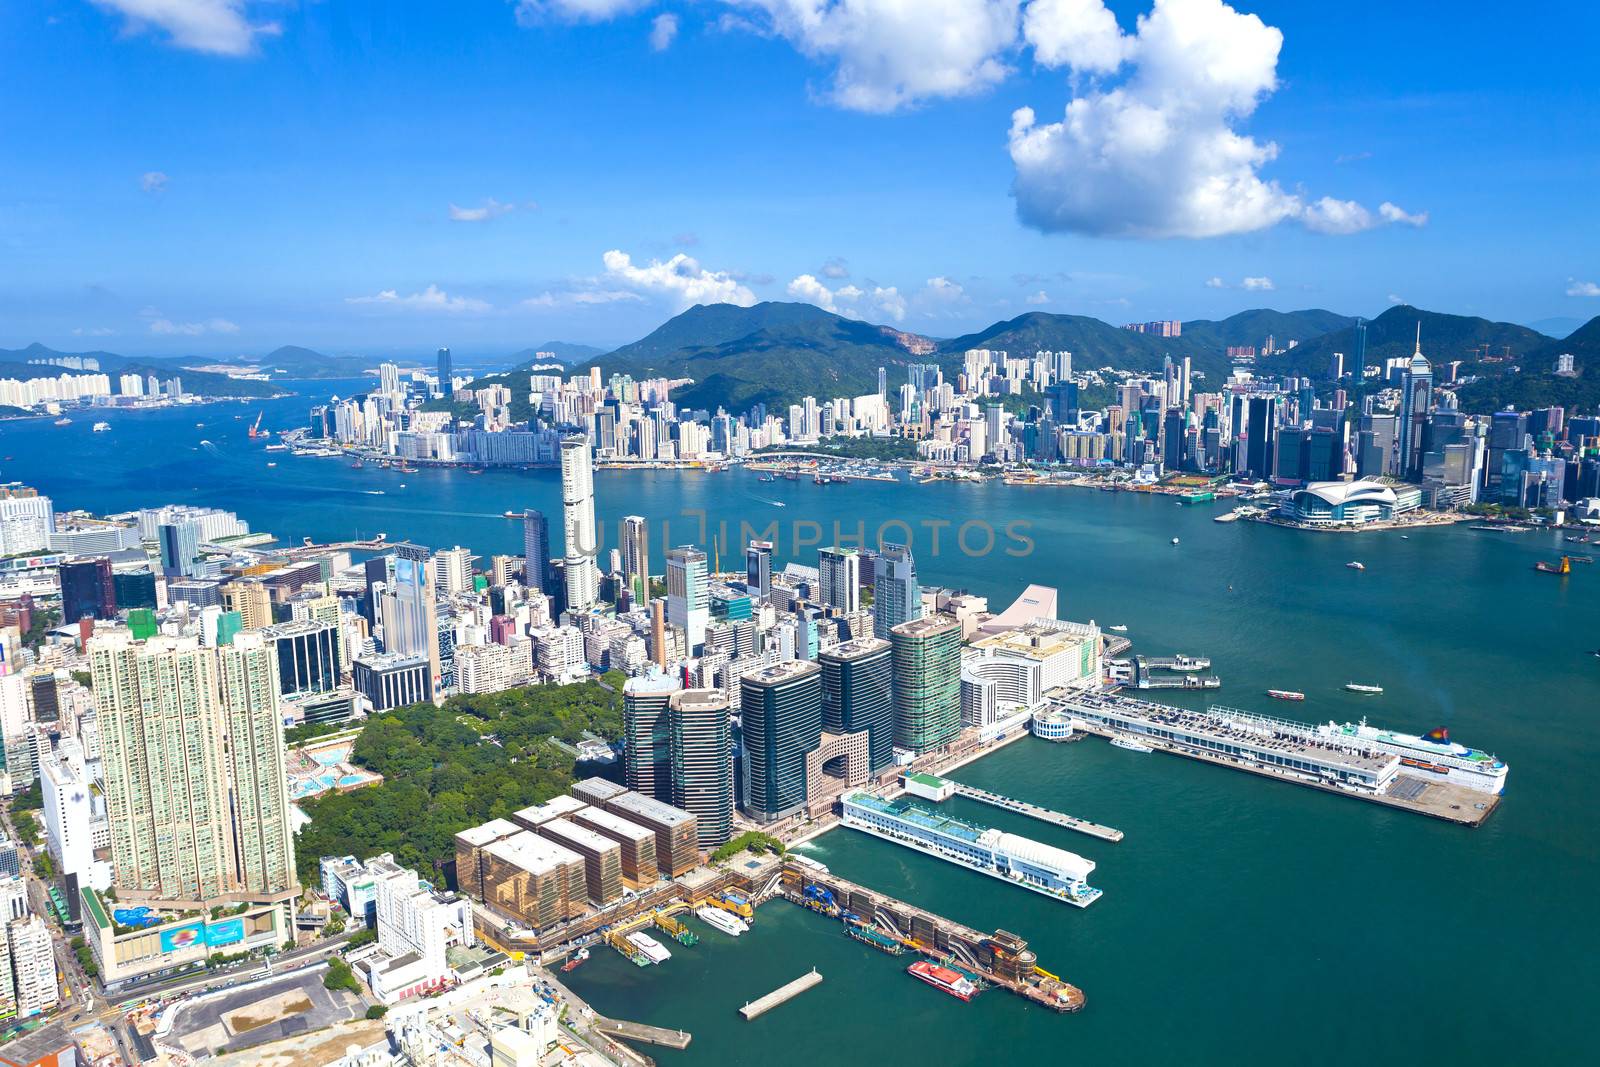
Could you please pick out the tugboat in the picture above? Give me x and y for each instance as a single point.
(575, 962)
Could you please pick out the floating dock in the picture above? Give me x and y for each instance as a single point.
(1034, 811)
(781, 994)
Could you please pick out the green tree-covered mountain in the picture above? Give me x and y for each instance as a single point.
(564, 351)
(1536, 385)
(14, 363)
(1255, 326)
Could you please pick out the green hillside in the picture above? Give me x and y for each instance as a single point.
(1535, 383)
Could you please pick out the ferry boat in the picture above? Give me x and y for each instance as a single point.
(1118, 629)
(1564, 567)
(101, 427)
(653, 950)
(731, 925)
(576, 961)
(1130, 744)
(1285, 694)
(955, 983)
(63, 421)
(1357, 687)
(1356, 565)
(1461, 765)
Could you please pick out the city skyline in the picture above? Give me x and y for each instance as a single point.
(455, 191)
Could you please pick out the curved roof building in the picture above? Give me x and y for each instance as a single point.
(1343, 503)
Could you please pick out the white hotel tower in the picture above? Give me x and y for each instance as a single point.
(577, 506)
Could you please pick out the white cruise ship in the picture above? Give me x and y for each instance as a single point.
(1434, 753)
(727, 922)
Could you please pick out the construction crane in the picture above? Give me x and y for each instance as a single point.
(255, 430)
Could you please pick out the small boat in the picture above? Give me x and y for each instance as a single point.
(1174, 540)
(511, 514)
(199, 425)
(1562, 568)
(955, 983)
(413, 470)
(271, 464)
(1357, 687)
(1130, 744)
(1118, 629)
(63, 421)
(357, 465)
(374, 492)
(1405, 537)
(576, 961)
(1285, 694)
(102, 427)
(1356, 565)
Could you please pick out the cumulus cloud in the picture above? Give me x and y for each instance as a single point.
(218, 27)
(1259, 283)
(681, 277)
(1157, 154)
(890, 302)
(533, 12)
(836, 267)
(153, 181)
(1396, 298)
(942, 290)
(806, 287)
(430, 299)
(662, 32)
(489, 209)
(890, 54)
(1577, 288)
(167, 327)
(1041, 297)
(1394, 213)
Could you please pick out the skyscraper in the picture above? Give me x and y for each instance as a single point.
(535, 549)
(577, 506)
(758, 569)
(646, 747)
(1261, 436)
(857, 694)
(840, 571)
(1415, 399)
(701, 742)
(192, 744)
(780, 721)
(896, 596)
(688, 595)
(180, 548)
(636, 558)
(87, 590)
(927, 682)
(410, 627)
(447, 387)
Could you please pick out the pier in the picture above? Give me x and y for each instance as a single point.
(1183, 667)
(1001, 958)
(649, 1035)
(782, 994)
(1034, 811)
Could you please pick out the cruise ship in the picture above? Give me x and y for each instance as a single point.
(1033, 865)
(729, 924)
(1434, 753)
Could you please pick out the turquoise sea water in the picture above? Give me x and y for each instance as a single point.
(1244, 920)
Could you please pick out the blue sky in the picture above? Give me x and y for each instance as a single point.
(224, 176)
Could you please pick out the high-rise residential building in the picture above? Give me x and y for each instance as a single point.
(32, 965)
(191, 740)
(66, 793)
(582, 538)
(689, 594)
(646, 746)
(758, 569)
(896, 596)
(454, 569)
(26, 521)
(447, 386)
(839, 570)
(780, 722)
(700, 739)
(927, 682)
(388, 378)
(252, 599)
(87, 590)
(1415, 399)
(535, 550)
(407, 608)
(858, 694)
(636, 559)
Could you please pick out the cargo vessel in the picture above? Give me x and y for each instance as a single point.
(943, 978)
(718, 919)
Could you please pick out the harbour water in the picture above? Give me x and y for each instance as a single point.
(1243, 920)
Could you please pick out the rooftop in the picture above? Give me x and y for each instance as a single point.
(581, 836)
(927, 626)
(493, 830)
(533, 853)
(855, 648)
(650, 808)
(614, 823)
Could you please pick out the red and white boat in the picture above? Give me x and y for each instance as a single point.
(953, 982)
(1285, 694)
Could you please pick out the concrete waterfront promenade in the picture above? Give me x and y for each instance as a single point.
(783, 993)
(1034, 811)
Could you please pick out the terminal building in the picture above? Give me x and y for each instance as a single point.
(1355, 503)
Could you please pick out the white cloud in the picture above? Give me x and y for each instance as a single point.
(489, 209)
(1577, 288)
(836, 267)
(1396, 298)
(680, 277)
(662, 32)
(890, 302)
(944, 291)
(1157, 153)
(1215, 283)
(1041, 297)
(807, 288)
(889, 54)
(581, 297)
(92, 331)
(153, 181)
(1257, 284)
(167, 327)
(532, 12)
(430, 299)
(1394, 213)
(220, 27)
